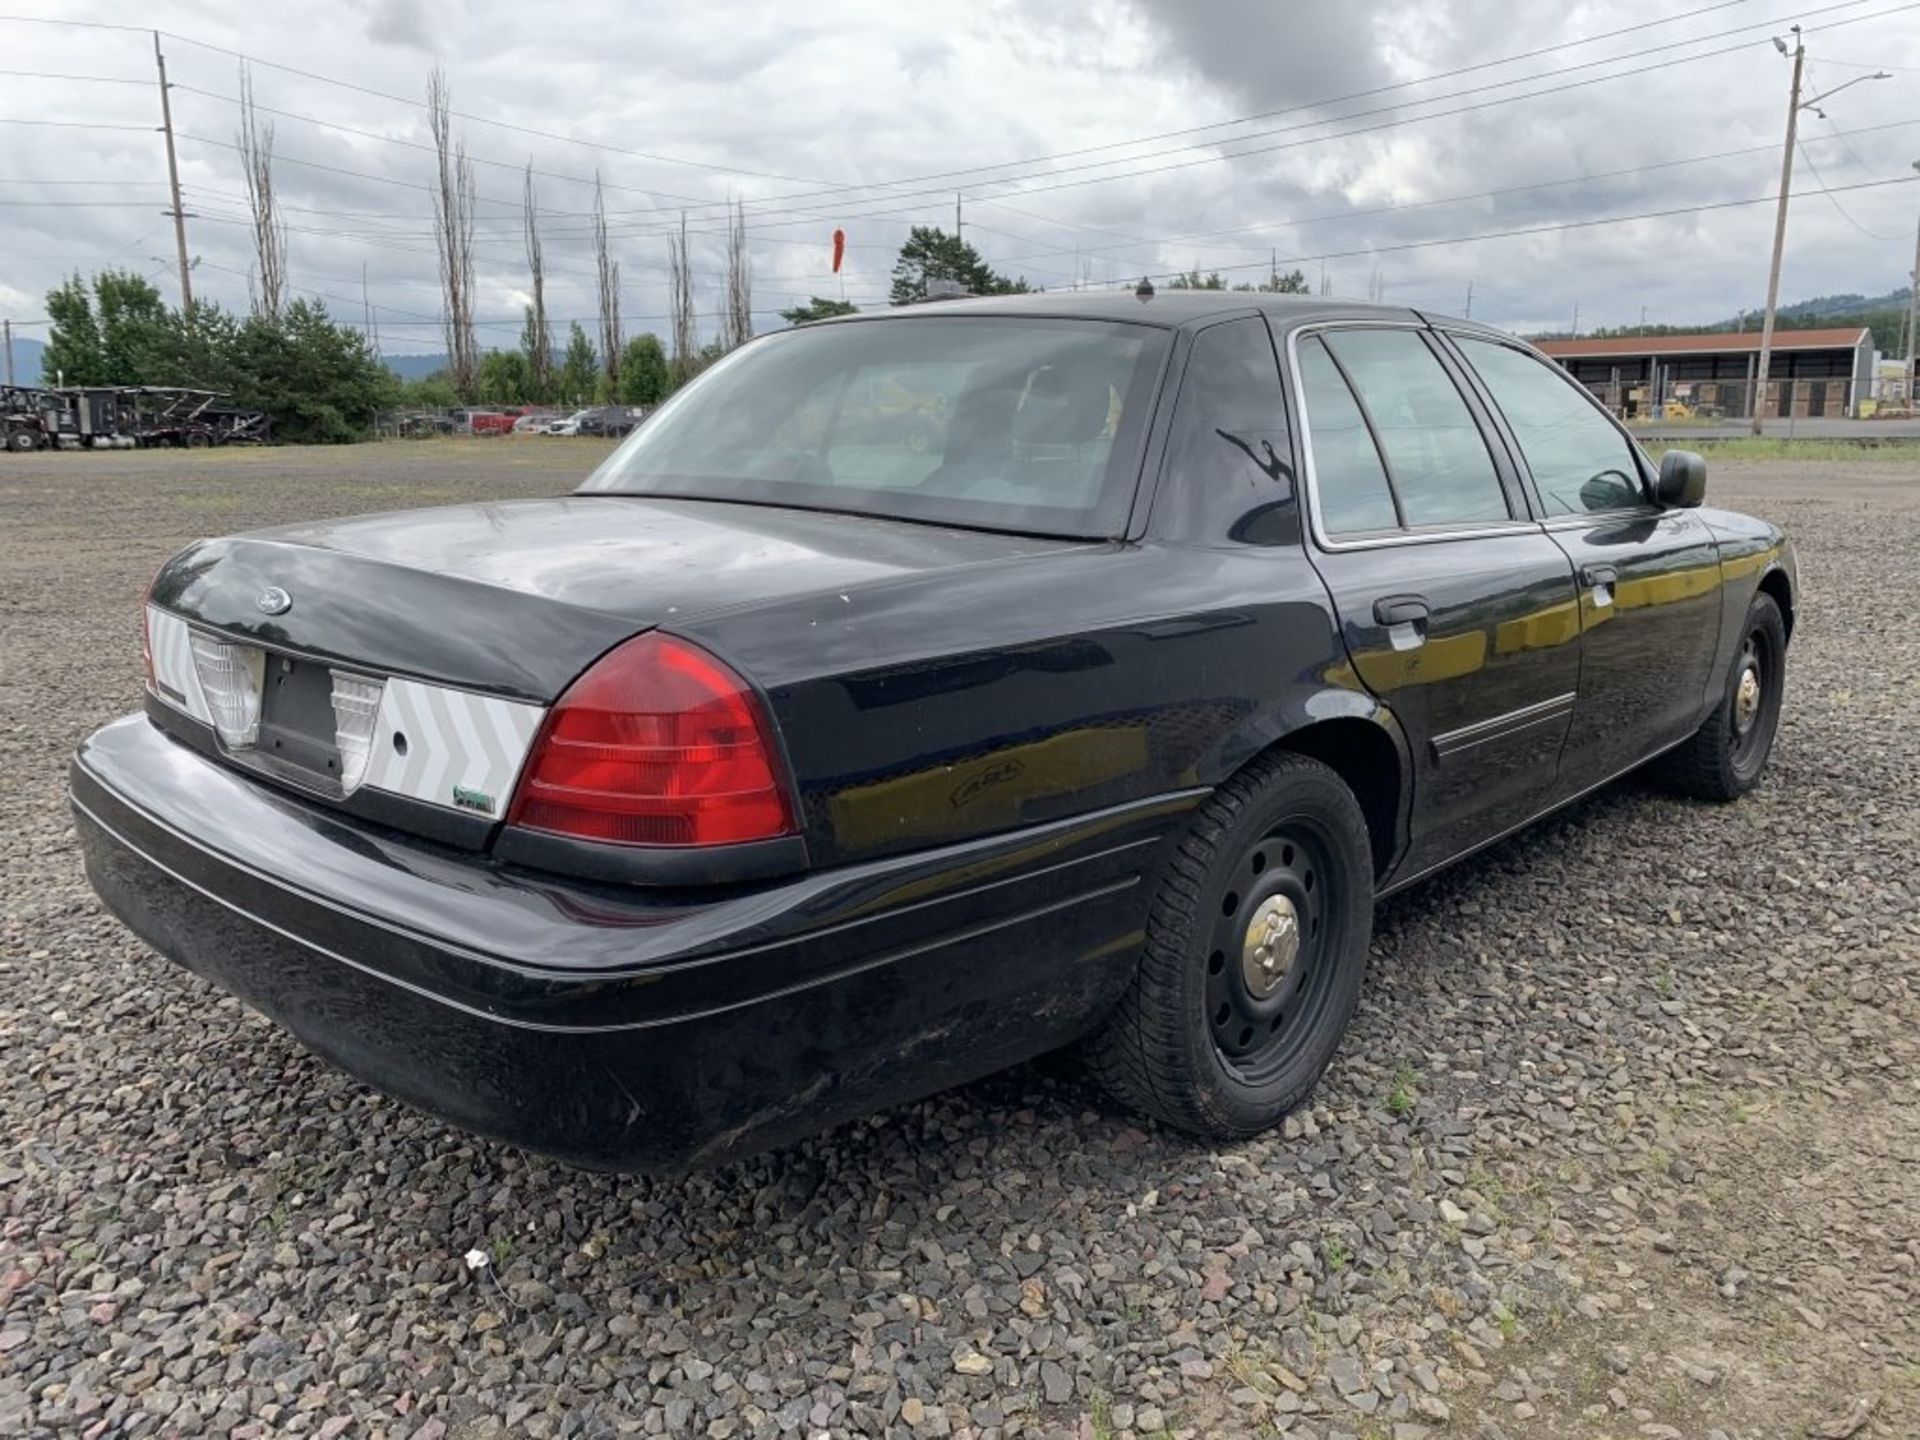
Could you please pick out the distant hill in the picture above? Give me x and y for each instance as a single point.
(1842, 307)
(1885, 315)
(415, 367)
(27, 353)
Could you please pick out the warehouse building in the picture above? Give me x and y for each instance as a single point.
(1711, 376)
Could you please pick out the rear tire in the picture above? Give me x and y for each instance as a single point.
(1256, 945)
(22, 441)
(1726, 756)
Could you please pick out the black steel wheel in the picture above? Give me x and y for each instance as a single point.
(1269, 971)
(1256, 945)
(1726, 757)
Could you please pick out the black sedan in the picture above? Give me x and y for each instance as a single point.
(788, 768)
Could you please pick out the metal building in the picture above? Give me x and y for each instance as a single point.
(1813, 372)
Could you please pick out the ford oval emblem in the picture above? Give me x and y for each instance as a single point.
(274, 601)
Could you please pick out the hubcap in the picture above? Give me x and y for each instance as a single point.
(1746, 699)
(1271, 947)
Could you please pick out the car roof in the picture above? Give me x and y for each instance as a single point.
(1165, 307)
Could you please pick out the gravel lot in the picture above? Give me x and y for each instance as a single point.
(1621, 1144)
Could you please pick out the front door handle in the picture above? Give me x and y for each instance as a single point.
(1598, 575)
(1393, 610)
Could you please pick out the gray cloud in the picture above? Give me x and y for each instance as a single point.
(847, 91)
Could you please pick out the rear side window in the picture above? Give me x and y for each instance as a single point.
(1353, 493)
(1227, 471)
(1579, 462)
(1437, 460)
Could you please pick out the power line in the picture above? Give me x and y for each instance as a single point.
(845, 188)
(416, 102)
(1330, 216)
(1554, 227)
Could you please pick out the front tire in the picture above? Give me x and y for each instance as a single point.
(1725, 757)
(1256, 945)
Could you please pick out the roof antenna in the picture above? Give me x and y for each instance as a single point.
(1144, 289)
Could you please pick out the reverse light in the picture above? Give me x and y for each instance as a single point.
(356, 704)
(658, 743)
(231, 677)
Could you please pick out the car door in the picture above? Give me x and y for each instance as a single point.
(1649, 578)
(1458, 611)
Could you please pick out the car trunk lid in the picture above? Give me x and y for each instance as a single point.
(414, 654)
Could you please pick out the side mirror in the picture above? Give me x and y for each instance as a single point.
(1683, 480)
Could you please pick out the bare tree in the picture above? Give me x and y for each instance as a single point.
(267, 285)
(680, 303)
(540, 340)
(453, 233)
(608, 270)
(737, 326)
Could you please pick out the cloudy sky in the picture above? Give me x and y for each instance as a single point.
(1088, 143)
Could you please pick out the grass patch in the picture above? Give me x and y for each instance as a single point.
(1892, 450)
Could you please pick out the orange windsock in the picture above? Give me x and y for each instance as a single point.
(839, 249)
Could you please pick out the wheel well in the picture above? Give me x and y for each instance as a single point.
(1364, 756)
(1774, 583)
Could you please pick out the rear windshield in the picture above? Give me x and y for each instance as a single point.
(1007, 424)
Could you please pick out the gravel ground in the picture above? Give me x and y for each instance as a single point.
(1620, 1144)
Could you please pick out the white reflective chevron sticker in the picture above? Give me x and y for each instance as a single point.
(176, 680)
(450, 747)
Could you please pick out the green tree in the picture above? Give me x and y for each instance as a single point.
(135, 326)
(1192, 281)
(645, 377)
(1292, 283)
(932, 254)
(578, 368)
(539, 386)
(818, 309)
(319, 381)
(506, 378)
(74, 355)
(429, 392)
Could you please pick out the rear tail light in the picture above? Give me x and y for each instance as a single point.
(230, 677)
(658, 743)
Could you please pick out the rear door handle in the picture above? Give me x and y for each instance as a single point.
(1598, 575)
(1393, 610)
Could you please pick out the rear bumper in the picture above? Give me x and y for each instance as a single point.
(615, 1027)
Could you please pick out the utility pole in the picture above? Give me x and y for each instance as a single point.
(1576, 319)
(7, 326)
(1779, 234)
(1469, 314)
(1913, 314)
(956, 214)
(173, 180)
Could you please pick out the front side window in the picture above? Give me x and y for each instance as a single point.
(1579, 462)
(1002, 423)
(1437, 460)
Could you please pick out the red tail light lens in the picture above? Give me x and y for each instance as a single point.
(657, 744)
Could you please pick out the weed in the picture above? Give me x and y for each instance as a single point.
(1334, 1251)
(1100, 1415)
(1509, 1323)
(1401, 1098)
